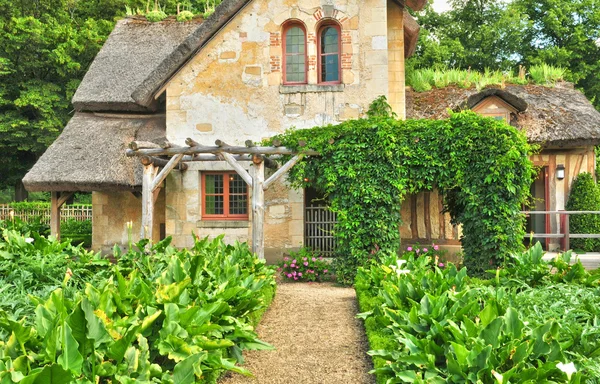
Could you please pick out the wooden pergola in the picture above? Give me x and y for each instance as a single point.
(157, 168)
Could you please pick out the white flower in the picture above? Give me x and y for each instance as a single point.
(403, 272)
(29, 240)
(400, 263)
(568, 368)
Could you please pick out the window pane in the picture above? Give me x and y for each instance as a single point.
(329, 40)
(213, 184)
(213, 205)
(238, 205)
(330, 68)
(237, 184)
(295, 59)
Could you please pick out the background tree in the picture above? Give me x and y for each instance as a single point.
(482, 34)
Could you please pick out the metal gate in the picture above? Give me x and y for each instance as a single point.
(318, 230)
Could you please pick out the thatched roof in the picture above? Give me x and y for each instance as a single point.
(89, 155)
(558, 116)
(140, 56)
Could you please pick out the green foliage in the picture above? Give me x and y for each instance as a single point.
(156, 15)
(425, 79)
(502, 35)
(433, 325)
(159, 315)
(305, 265)
(368, 166)
(584, 196)
(78, 231)
(185, 16)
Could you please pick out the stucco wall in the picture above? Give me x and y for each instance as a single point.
(232, 91)
(112, 211)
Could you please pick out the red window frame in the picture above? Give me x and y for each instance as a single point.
(289, 25)
(226, 195)
(320, 55)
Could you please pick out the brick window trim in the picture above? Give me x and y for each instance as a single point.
(226, 195)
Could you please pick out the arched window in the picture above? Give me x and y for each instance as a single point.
(294, 47)
(329, 54)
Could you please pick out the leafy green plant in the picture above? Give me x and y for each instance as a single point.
(432, 325)
(584, 196)
(425, 79)
(158, 315)
(368, 166)
(185, 16)
(305, 265)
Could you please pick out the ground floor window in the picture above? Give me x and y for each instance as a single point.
(224, 196)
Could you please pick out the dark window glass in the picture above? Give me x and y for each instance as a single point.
(330, 54)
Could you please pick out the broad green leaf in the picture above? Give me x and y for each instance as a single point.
(50, 374)
(186, 371)
(70, 359)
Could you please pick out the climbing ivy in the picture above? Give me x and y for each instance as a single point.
(367, 167)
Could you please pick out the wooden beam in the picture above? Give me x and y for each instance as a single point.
(165, 172)
(282, 171)
(258, 209)
(137, 145)
(237, 167)
(147, 202)
(234, 150)
(147, 160)
(191, 142)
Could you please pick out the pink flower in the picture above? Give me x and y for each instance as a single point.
(418, 250)
(284, 265)
(294, 261)
(409, 249)
(289, 275)
(424, 249)
(321, 258)
(300, 274)
(295, 278)
(306, 263)
(278, 269)
(294, 273)
(286, 258)
(324, 271)
(436, 248)
(314, 259)
(304, 258)
(441, 265)
(293, 265)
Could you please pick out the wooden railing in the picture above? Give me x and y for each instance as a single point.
(75, 212)
(564, 224)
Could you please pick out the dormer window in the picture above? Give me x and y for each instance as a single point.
(294, 46)
(329, 39)
(496, 108)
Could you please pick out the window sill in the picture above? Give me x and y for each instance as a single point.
(222, 223)
(311, 88)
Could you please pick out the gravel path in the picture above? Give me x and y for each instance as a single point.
(316, 336)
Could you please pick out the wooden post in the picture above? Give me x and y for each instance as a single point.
(55, 215)
(147, 202)
(258, 208)
(57, 200)
(567, 232)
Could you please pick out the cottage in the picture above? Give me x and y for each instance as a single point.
(254, 69)
(559, 119)
(251, 70)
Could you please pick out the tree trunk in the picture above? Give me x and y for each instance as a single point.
(21, 193)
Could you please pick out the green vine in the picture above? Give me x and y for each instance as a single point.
(366, 167)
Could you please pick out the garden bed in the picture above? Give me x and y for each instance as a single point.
(158, 315)
(532, 322)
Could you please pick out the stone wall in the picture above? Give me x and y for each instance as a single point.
(112, 211)
(233, 91)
